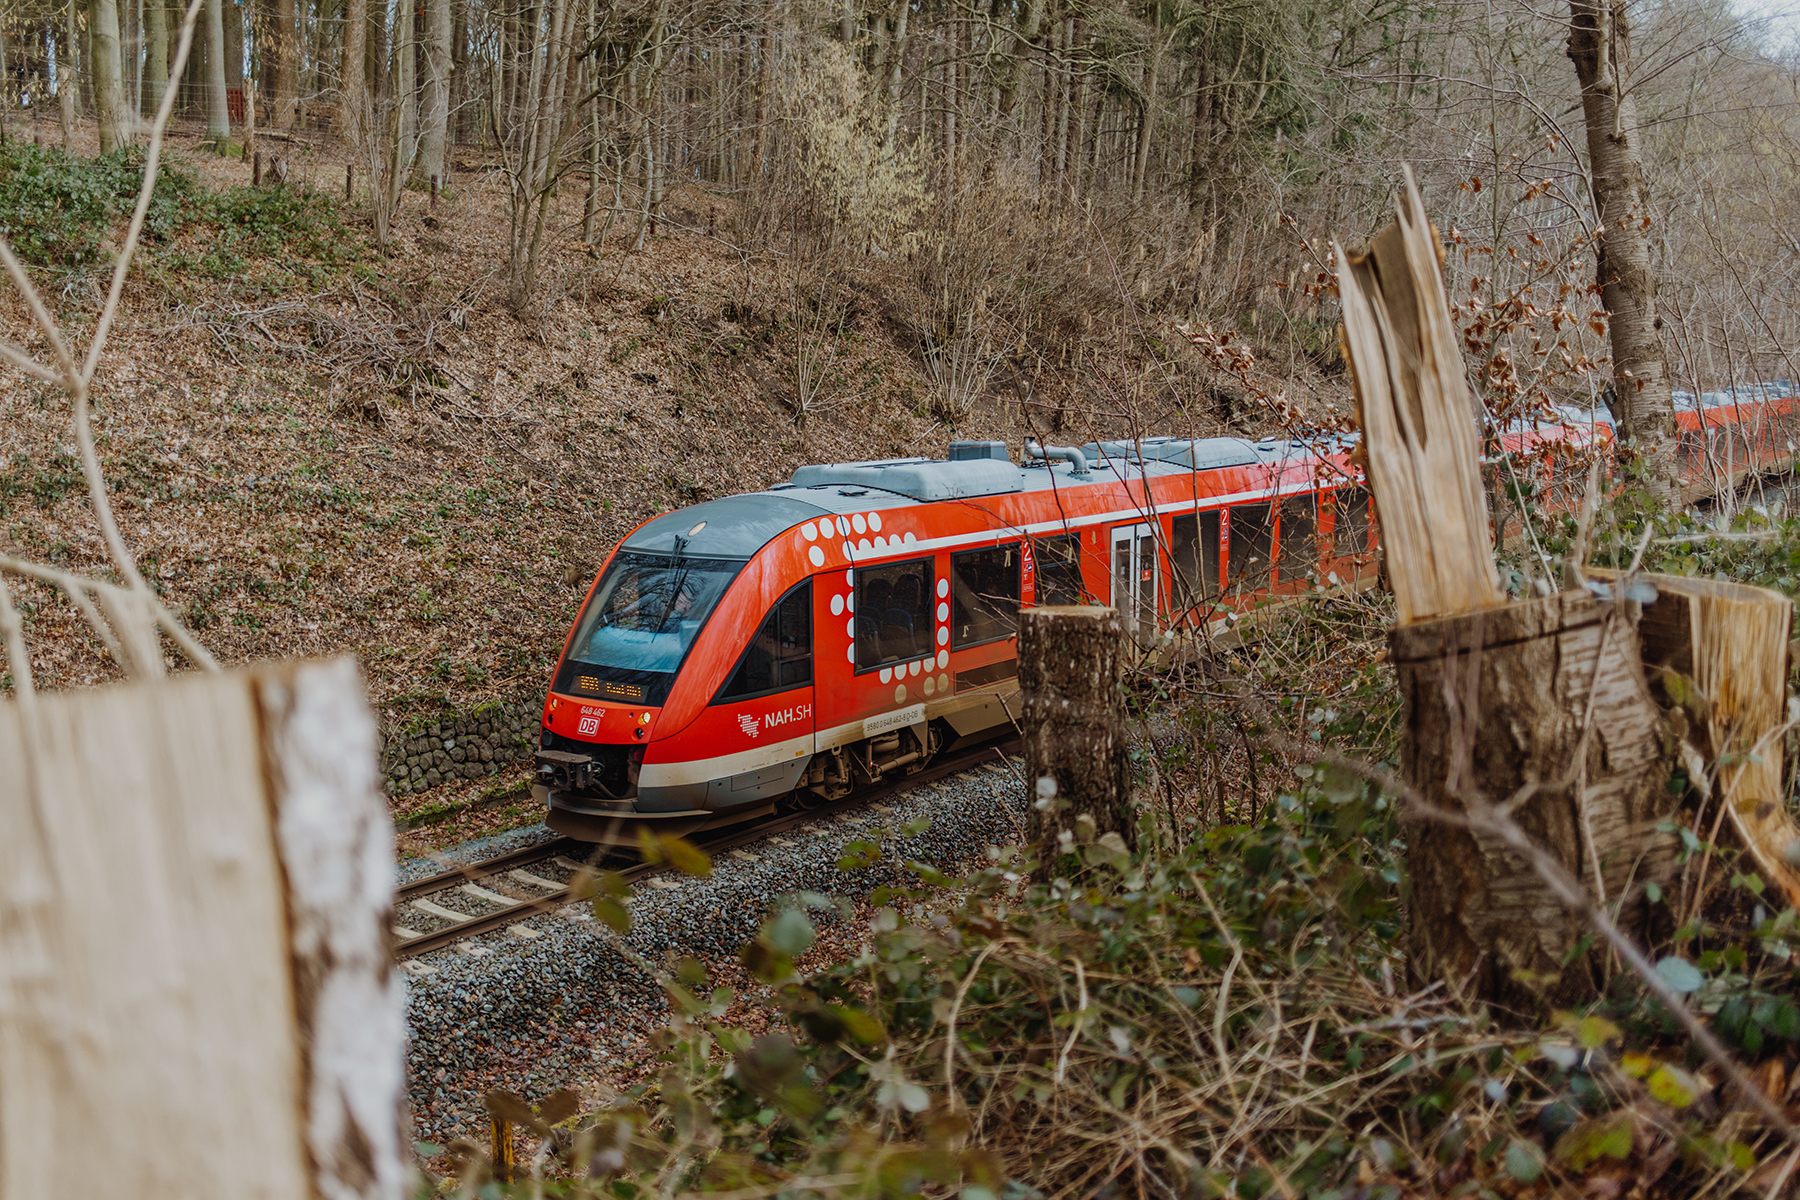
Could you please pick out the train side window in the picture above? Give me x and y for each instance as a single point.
(779, 656)
(1252, 540)
(1194, 548)
(1299, 536)
(893, 613)
(984, 595)
(1350, 522)
(1058, 569)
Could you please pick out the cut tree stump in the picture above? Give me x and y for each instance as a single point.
(1071, 659)
(1720, 654)
(196, 991)
(1542, 709)
(1531, 722)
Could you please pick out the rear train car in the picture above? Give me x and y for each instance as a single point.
(861, 619)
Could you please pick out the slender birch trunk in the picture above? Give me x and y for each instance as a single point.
(1600, 48)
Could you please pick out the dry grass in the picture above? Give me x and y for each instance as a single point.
(392, 464)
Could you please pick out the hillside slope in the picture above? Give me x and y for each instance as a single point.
(317, 446)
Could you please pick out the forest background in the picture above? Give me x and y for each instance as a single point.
(515, 277)
(716, 240)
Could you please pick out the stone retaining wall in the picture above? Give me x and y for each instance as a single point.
(460, 745)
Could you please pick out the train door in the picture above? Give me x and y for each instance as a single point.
(1134, 578)
(767, 707)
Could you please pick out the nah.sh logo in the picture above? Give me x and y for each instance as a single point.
(747, 722)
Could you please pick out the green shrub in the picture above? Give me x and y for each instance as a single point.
(60, 210)
(57, 208)
(1227, 1019)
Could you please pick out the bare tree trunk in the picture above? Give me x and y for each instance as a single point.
(353, 99)
(434, 106)
(1600, 48)
(218, 121)
(283, 51)
(375, 62)
(317, 82)
(109, 81)
(406, 88)
(1199, 152)
(545, 132)
(591, 208)
(233, 13)
(765, 83)
(1077, 141)
(1147, 113)
(461, 86)
(1051, 106)
(1023, 36)
(896, 66)
(131, 52)
(65, 70)
(950, 97)
(84, 75)
(1064, 89)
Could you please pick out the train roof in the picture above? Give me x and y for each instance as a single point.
(736, 527)
(730, 527)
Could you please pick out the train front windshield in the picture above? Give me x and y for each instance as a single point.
(637, 628)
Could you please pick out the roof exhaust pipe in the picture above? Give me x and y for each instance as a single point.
(1077, 461)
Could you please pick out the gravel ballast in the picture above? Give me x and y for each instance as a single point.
(537, 1013)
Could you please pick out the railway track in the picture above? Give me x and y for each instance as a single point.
(460, 908)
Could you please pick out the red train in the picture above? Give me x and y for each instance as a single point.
(858, 620)
(1725, 436)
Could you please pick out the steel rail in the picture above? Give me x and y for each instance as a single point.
(487, 868)
(483, 923)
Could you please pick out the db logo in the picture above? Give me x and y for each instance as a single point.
(747, 722)
(589, 725)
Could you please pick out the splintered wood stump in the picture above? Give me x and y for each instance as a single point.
(1420, 439)
(1720, 654)
(1070, 662)
(1541, 708)
(196, 993)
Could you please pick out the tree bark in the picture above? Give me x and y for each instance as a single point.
(1544, 705)
(283, 75)
(1023, 36)
(1070, 663)
(896, 66)
(65, 71)
(405, 93)
(353, 99)
(434, 101)
(231, 1017)
(1147, 112)
(1078, 98)
(233, 12)
(1600, 48)
(765, 84)
(109, 76)
(375, 62)
(218, 120)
